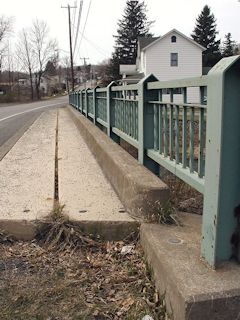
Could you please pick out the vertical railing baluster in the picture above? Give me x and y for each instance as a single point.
(136, 121)
(160, 121)
(160, 140)
(201, 144)
(128, 104)
(126, 116)
(121, 115)
(177, 157)
(192, 133)
(171, 134)
(86, 102)
(81, 103)
(166, 131)
(96, 106)
(155, 127)
(130, 119)
(118, 114)
(184, 130)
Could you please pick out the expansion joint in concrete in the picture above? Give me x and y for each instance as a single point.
(56, 191)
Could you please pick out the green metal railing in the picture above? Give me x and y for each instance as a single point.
(198, 142)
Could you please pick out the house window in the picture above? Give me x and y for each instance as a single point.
(173, 39)
(177, 91)
(174, 91)
(174, 59)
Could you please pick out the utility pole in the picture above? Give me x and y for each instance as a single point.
(85, 69)
(70, 41)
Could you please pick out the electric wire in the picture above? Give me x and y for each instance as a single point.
(84, 27)
(78, 26)
(74, 18)
(102, 51)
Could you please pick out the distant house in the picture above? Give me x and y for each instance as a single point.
(50, 85)
(171, 56)
(24, 82)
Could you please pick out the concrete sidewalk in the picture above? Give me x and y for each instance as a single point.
(27, 182)
(26, 178)
(84, 191)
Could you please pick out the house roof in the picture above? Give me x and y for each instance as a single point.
(133, 78)
(175, 31)
(145, 41)
(137, 76)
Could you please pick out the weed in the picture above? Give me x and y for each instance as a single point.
(58, 232)
(164, 214)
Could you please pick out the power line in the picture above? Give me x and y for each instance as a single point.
(74, 34)
(74, 17)
(102, 51)
(84, 26)
(78, 26)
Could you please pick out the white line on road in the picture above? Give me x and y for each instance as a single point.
(18, 114)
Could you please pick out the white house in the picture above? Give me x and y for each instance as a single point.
(171, 56)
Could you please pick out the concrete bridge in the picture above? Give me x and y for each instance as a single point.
(65, 156)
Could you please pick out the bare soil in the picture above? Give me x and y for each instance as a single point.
(91, 281)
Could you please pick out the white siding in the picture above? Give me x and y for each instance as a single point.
(158, 61)
(143, 63)
(189, 59)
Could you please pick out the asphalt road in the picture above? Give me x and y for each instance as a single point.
(15, 119)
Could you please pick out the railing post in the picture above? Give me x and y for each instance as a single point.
(86, 102)
(81, 101)
(220, 229)
(145, 123)
(94, 104)
(78, 100)
(109, 108)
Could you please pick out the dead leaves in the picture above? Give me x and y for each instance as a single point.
(93, 281)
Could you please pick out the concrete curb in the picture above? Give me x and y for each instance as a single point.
(106, 230)
(19, 229)
(140, 191)
(192, 290)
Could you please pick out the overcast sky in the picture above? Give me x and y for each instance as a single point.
(101, 24)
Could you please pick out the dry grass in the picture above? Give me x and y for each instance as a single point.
(74, 277)
(180, 192)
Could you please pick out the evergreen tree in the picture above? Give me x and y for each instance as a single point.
(228, 46)
(113, 68)
(51, 68)
(205, 34)
(133, 24)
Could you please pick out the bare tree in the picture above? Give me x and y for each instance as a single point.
(26, 56)
(44, 50)
(5, 29)
(35, 50)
